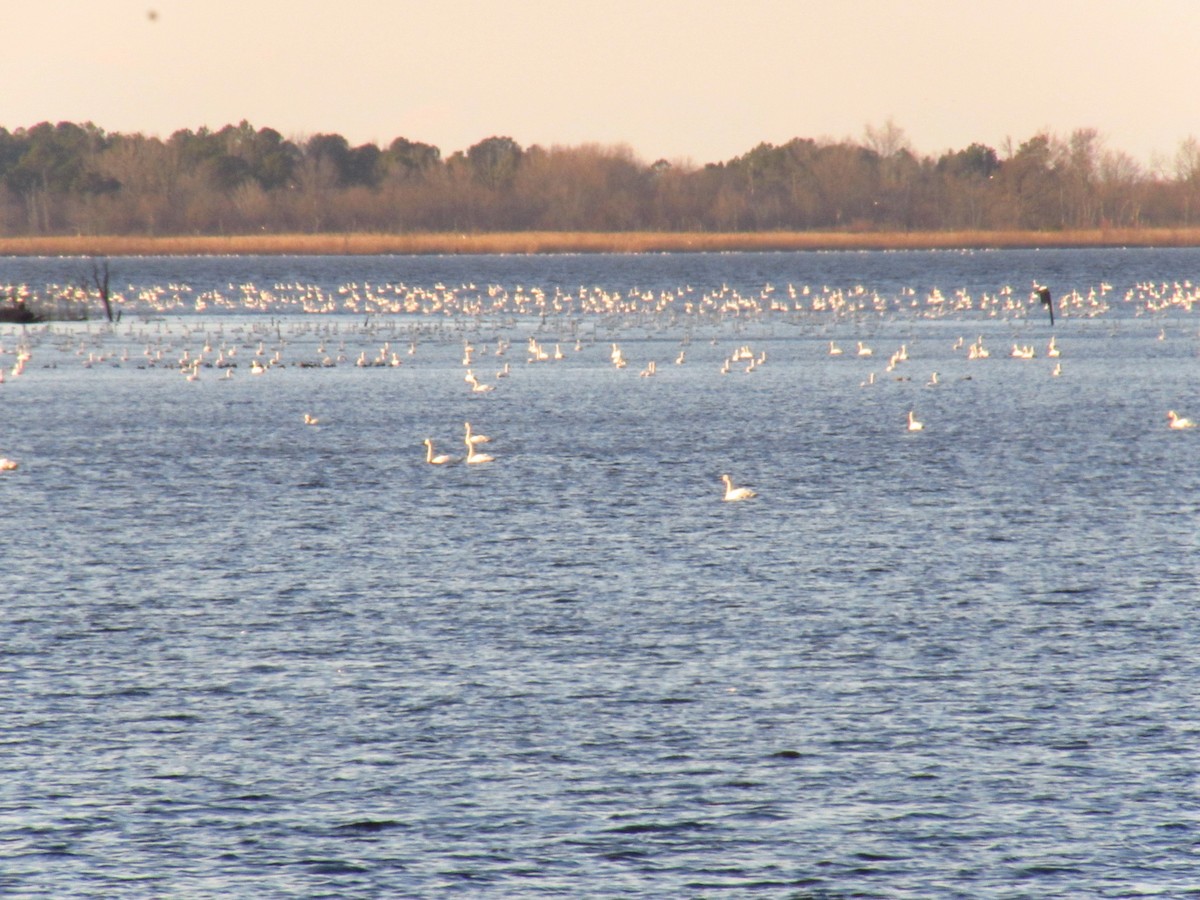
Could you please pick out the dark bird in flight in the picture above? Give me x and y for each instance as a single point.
(1043, 294)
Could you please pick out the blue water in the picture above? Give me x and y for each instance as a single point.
(242, 656)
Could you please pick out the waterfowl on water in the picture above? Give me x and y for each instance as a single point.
(475, 458)
(477, 386)
(439, 459)
(913, 424)
(1176, 421)
(739, 493)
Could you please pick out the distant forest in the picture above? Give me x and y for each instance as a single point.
(70, 178)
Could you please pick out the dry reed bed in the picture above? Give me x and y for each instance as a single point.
(583, 242)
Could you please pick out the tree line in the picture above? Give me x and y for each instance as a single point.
(69, 178)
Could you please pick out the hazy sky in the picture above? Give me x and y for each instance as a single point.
(697, 80)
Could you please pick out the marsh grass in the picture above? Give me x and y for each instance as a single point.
(583, 242)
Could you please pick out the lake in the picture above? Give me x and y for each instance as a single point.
(248, 656)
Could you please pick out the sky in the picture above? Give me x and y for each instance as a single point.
(690, 81)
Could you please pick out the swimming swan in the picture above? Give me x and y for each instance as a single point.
(473, 438)
(913, 424)
(1176, 421)
(475, 458)
(739, 493)
(440, 459)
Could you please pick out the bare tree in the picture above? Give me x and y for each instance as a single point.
(1187, 175)
(886, 140)
(100, 280)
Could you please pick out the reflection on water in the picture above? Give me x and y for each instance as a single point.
(248, 655)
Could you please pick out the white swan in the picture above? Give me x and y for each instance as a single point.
(439, 459)
(310, 419)
(738, 493)
(834, 349)
(475, 458)
(864, 350)
(7, 465)
(1176, 421)
(913, 424)
(472, 438)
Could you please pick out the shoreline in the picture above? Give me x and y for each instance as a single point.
(549, 242)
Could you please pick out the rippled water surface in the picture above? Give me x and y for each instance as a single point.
(244, 656)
